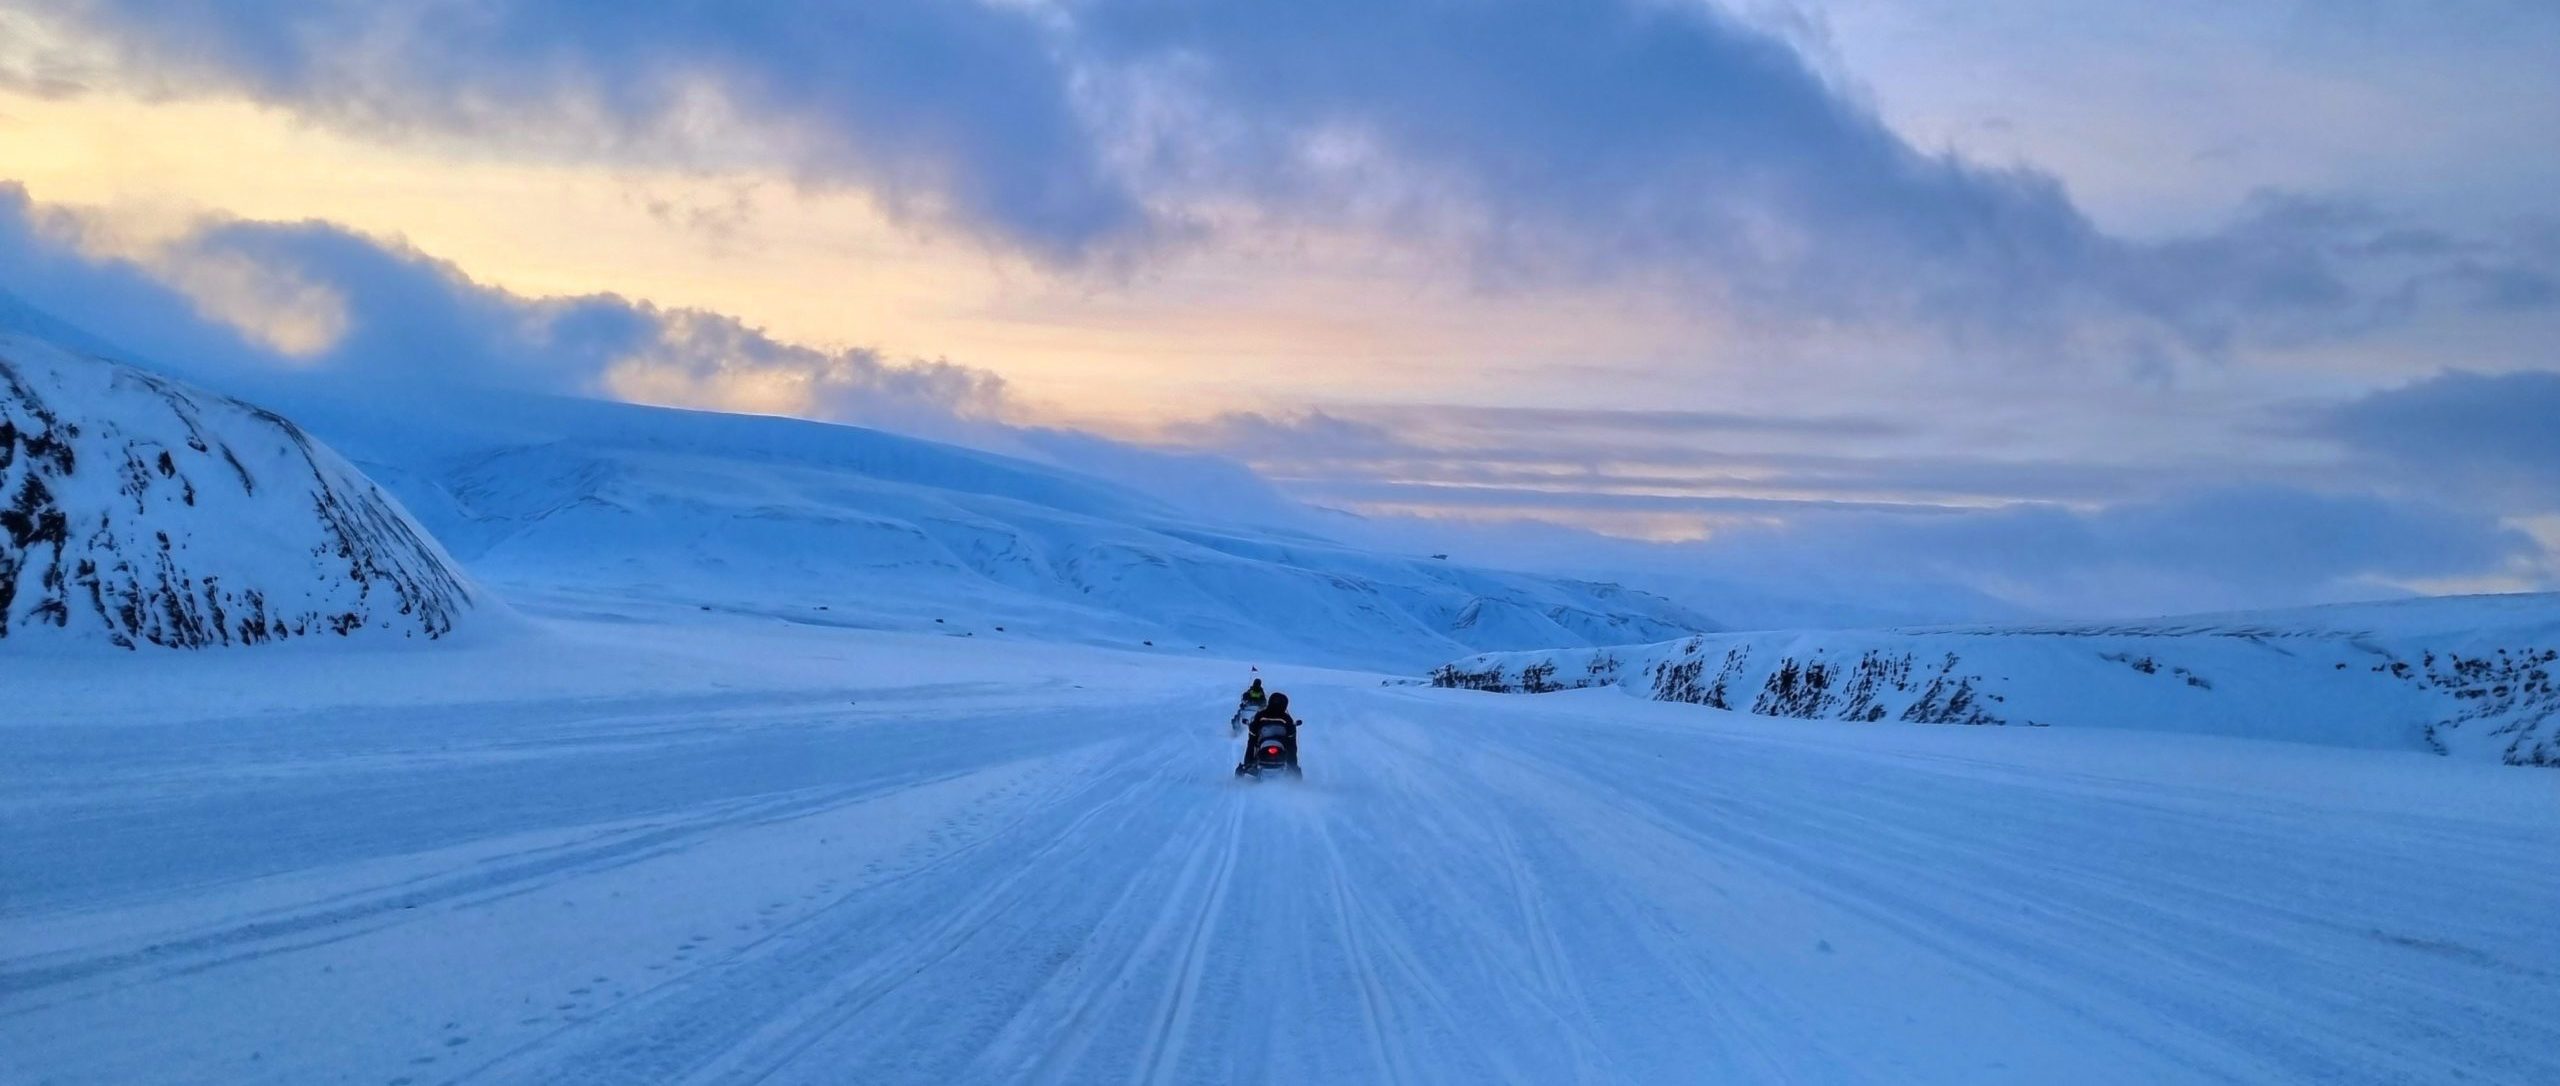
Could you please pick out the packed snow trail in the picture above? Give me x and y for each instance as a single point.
(977, 883)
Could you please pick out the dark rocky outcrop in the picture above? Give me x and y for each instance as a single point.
(2474, 678)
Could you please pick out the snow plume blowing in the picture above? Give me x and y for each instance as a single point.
(135, 510)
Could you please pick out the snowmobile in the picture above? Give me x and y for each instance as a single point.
(1275, 750)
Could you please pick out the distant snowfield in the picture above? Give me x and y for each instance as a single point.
(692, 846)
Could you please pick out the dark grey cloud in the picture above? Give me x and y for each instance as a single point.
(945, 109)
(2293, 269)
(1612, 139)
(1554, 138)
(2209, 548)
(1415, 431)
(1596, 139)
(1698, 457)
(2495, 437)
(2507, 286)
(2055, 536)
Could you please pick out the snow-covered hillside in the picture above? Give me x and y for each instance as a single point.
(135, 510)
(567, 500)
(2466, 676)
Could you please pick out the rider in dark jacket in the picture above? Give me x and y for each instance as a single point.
(1274, 710)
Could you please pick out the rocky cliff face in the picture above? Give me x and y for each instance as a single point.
(139, 511)
(2475, 678)
(1875, 685)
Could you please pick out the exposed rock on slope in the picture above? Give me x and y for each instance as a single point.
(137, 510)
(2476, 677)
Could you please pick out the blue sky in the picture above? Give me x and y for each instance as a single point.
(2126, 307)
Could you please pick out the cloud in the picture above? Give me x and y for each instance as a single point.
(1663, 143)
(226, 298)
(230, 296)
(2057, 536)
(1837, 501)
(1579, 502)
(2209, 548)
(1444, 431)
(2263, 535)
(1591, 135)
(956, 112)
(2201, 548)
(2496, 437)
(1569, 462)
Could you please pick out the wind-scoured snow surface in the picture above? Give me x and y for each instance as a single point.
(136, 511)
(599, 504)
(752, 852)
(2476, 677)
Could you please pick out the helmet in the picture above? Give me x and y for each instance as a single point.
(1279, 703)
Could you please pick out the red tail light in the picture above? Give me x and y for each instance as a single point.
(1274, 751)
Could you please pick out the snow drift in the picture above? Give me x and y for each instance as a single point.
(136, 510)
(2469, 676)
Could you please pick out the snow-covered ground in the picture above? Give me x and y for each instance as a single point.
(792, 753)
(687, 846)
(2475, 677)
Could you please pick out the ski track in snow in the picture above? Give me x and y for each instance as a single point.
(941, 885)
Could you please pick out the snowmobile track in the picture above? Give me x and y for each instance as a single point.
(1559, 890)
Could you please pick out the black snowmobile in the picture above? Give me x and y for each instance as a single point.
(1274, 750)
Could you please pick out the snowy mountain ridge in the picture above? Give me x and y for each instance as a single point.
(136, 510)
(2465, 676)
(583, 505)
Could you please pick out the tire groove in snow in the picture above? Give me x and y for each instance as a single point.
(1465, 889)
(1164, 1051)
(708, 1004)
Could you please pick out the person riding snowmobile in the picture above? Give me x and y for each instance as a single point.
(1246, 707)
(1276, 711)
